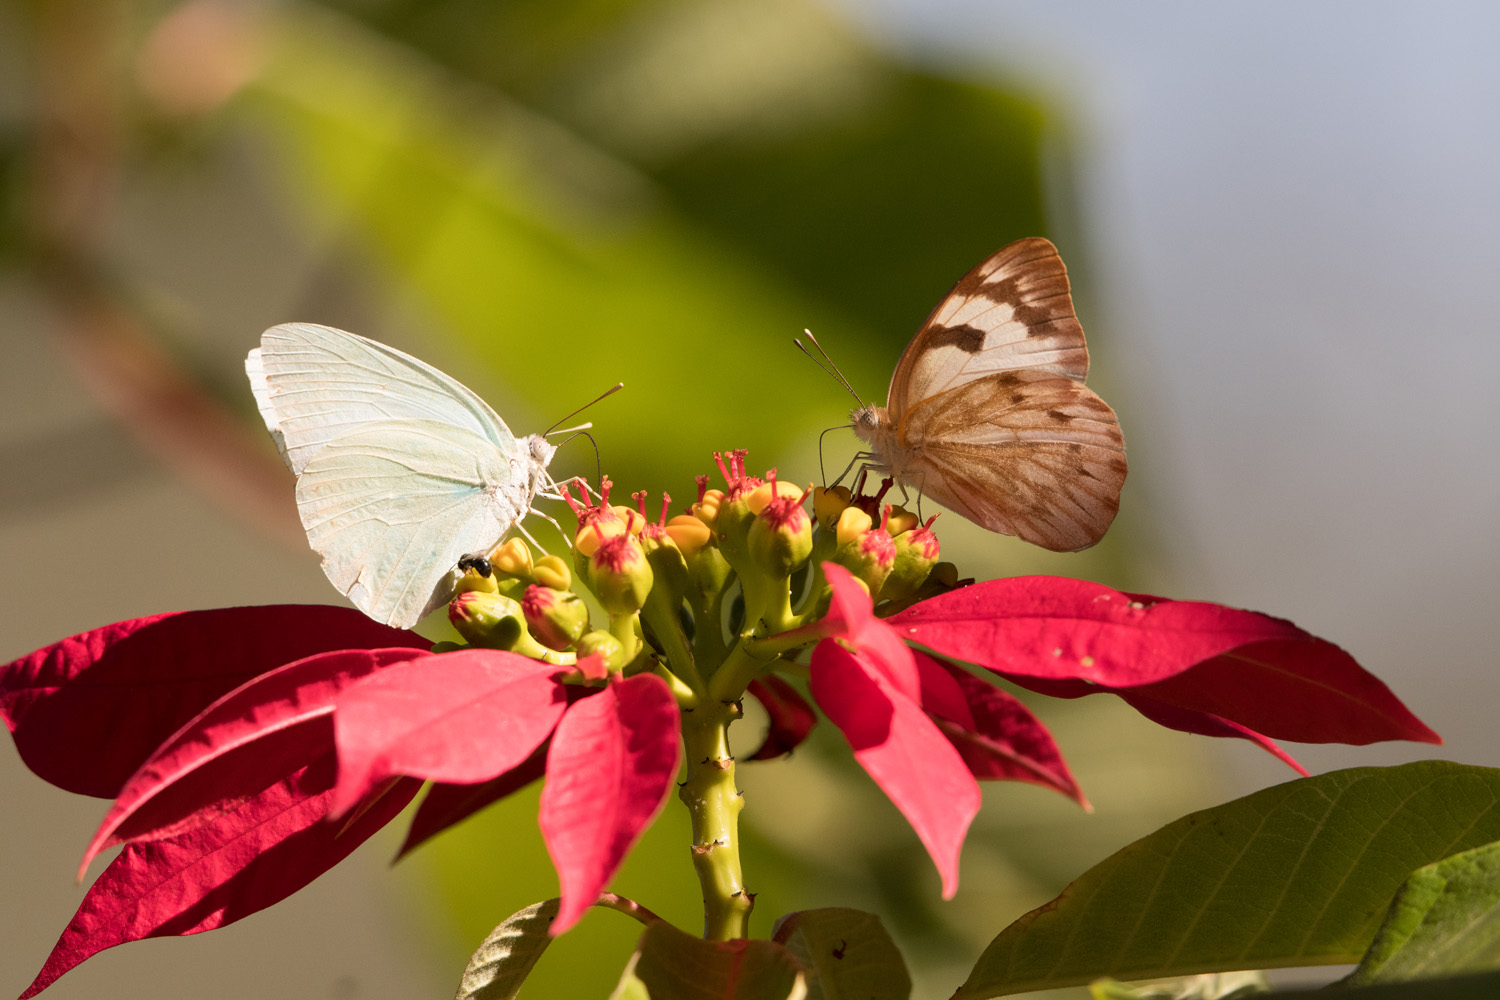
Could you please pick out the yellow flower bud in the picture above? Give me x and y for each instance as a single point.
(512, 557)
(829, 503)
(899, 520)
(472, 581)
(551, 571)
(852, 523)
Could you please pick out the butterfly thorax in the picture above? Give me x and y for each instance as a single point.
(538, 456)
(873, 425)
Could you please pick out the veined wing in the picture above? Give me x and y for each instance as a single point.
(314, 383)
(1027, 453)
(392, 507)
(1014, 312)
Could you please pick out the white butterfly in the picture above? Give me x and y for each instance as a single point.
(988, 414)
(401, 470)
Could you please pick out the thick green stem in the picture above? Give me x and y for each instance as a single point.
(714, 804)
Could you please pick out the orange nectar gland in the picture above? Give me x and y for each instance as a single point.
(557, 618)
(707, 507)
(780, 537)
(552, 571)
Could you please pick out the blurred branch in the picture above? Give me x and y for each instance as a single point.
(80, 114)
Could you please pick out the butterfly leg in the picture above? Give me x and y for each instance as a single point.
(551, 520)
(859, 457)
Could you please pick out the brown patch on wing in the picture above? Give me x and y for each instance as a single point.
(968, 339)
(1012, 312)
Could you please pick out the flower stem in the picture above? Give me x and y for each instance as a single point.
(714, 804)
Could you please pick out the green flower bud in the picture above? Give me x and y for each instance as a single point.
(917, 552)
(493, 621)
(606, 647)
(869, 555)
(557, 618)
(780, 537)
(735, 515)
(619, 574)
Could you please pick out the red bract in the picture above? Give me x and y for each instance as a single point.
(902, 750)
(997, 737)
(446, 804)
(464, 717)
(247, 740)
(254, 854)
(791, 717)
(229, 809)
(612, 764)
(1213, 664)
(87, 711)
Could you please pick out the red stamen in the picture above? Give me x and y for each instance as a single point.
(666, 500)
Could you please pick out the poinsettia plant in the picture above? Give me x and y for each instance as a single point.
(248, 750)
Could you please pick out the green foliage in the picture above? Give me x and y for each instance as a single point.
(1443, 922)
(847, 952)
(1297, 874)
(502, 963)
(678, 966)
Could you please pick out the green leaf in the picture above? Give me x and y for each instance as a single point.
(630, 987)
(506, 957)
(1213, 986)
(1484, 986)
(678, 966)
(1444, 921)
(848, 952)
(1298, 874)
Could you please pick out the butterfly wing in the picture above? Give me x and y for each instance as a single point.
(1025, 453)
(314, 383)
(393, 505)
(1014, 312)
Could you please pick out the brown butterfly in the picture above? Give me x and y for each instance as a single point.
(988, 414)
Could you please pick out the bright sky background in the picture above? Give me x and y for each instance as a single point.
(1292, 217)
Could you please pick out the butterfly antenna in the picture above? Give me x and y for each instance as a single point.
(603, 395)
(825, 362)
(584, 432)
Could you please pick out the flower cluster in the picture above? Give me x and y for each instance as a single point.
(293, 733)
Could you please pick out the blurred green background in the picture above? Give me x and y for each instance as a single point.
(541, 199)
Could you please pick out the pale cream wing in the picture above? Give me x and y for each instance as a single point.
(1014, 312)
(1026, 453)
